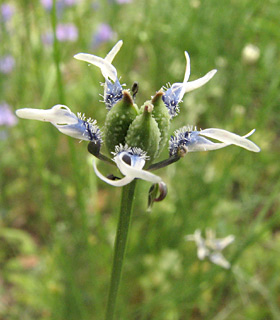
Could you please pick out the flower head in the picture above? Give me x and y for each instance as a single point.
(134, 137)
(188, 140)
(174, 95)
(130, 162)
(211, 247)
(65, 121)
(112, 90)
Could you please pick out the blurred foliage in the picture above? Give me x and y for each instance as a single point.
(58, 220)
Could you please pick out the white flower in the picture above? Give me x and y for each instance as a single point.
(250, 54)
(211, 247)
(105, 65)
(174, 95)
(130, 162)
(112, 91)
(65, 121)
(188, 140)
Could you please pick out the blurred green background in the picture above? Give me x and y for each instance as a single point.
(58, 220)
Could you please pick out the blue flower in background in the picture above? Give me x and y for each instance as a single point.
(103, 34)
(123, 1)
(7, 117)
(66, 32)
(7, 11)
(47, 4)
(7, 64)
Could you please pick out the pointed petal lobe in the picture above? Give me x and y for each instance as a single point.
(230, 138)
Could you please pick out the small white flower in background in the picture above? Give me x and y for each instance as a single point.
(211, 246)
(250, 54)
(195, 4)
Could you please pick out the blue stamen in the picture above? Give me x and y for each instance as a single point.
(112, 93)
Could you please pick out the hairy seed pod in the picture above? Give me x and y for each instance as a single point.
(162, 117)
(118, 120)
(144, 133)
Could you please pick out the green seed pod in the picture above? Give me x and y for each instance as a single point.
(118, 120)
(162, 117)
(144, 132)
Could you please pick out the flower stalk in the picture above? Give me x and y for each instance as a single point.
(120, 246)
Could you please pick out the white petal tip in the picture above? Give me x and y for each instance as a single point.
(187, 55)
(20, 113)
(28, 113)
(255, 149)
(80, 56)
(213, 72)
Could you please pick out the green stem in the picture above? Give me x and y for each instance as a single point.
(120, 246)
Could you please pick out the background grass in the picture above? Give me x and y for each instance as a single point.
(58, 220)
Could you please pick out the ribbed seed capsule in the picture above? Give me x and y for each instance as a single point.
(144, 132)
(162, 117)
(118, 120)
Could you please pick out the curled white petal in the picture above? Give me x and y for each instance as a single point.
(205, 146)
(111, 55)
(187, 85)
(135, 170)
(188, 68)
(230, 138)
(77, 131)
(59, 114)
(105, 65)
(116, 183)
(130, 171)
(107, 69)
(192, 85)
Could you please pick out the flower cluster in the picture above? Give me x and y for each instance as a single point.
(134, 137)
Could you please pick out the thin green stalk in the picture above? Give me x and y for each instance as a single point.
(120, 246)
(56, 54)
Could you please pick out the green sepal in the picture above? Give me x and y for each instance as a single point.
(118, 120)
(144, 132)
(162, 117)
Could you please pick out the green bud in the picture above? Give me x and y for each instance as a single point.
(144, 132)
(118, 120)
(162, 117)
